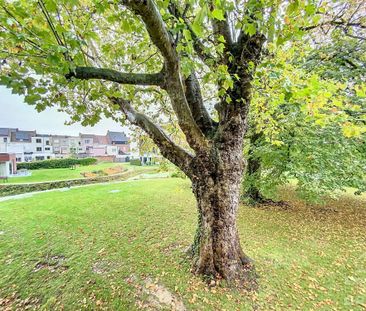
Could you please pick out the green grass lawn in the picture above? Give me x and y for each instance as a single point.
(93, 249)
(67, 173)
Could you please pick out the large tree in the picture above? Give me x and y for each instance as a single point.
(323, 156)
(310, 117)
(115, 57)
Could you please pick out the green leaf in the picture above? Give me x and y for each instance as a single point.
(218, 14)
(250, 29)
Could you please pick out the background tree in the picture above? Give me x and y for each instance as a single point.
(330, 155)
(116, 57)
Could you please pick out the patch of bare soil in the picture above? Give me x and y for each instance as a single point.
(151, 295)
(52, 263)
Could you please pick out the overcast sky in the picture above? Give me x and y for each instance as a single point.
(15, 113)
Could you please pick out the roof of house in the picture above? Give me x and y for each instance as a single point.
(116, 137)
(101, 139)
(22, 135)
(4, 131)
(63, 136)
(86, 135)
(43, 135)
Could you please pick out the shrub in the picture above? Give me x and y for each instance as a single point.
(136, 162)
(178, 174)
(56, 163)
(164, 166)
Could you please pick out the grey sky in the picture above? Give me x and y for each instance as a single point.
(17, 114)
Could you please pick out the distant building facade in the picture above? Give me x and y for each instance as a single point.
(120, 140)
(26, 145)
(29, 146)
(65, 146)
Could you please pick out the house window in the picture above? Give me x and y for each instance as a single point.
(5, 139)
(39, 158)
(38, 140)
(48, 157)
(39, 148)
(19, 159)
(87, 141)
(47, 142)
(47, 148)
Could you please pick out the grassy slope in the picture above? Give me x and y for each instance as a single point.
(65, 173)
(307, 257)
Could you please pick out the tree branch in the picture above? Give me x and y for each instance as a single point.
(173, 79)
(87, 73)
(335, 23)
(198, 45)
(195, 102)
(222, 28)
(155, 26)
(168, 148)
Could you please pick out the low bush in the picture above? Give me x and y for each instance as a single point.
(56, 163)
(164, 166)
(178, 174)
(136, 162)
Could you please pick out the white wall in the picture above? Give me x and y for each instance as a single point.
(41, 145)
(112, 150)
(2, 147)
(4, 169)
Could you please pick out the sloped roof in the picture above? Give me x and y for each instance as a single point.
(86, 135)
(43, 135)
(101, 139)
(116, 137)
(4, 131)
(22, 135)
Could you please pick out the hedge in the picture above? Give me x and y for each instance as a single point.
(55, 163)
(13, 189)
(135, 162)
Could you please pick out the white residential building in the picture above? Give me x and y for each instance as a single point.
(41, 147)
(64, 146)
(26, 145)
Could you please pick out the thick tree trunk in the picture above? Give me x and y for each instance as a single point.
(217, 253)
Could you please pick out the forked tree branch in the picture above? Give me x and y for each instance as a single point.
(168, 148)
(163, 40)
